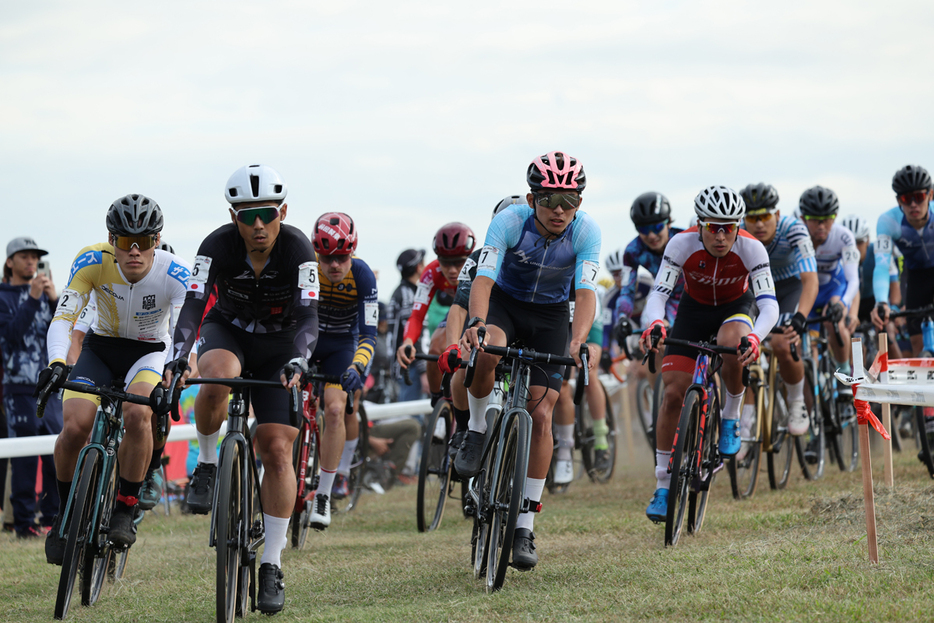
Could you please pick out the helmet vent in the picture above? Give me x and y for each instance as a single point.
(254, 185)
(278, 188)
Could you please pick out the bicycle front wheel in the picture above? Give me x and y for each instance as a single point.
(926, 453)
(81, 529)
(588, 452)
(358, 465)
(710, 464)
(811, 447)
(99, 554)
(434, 470)
(779, 459)
(684, 458)
(508, 490)
(232, 519)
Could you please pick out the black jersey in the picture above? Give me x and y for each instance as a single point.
(283, 298)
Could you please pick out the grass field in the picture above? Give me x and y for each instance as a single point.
(795, 555)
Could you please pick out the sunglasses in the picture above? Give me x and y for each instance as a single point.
(554, 200)
(759, 218)
(447, 263)
(655, 228)
(333, 259)
(915, 196)
(716, 228)
(143, 243)
(266, 214)
(819, 219)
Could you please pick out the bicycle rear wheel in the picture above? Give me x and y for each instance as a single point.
(232, 520)
(304, 450)
(684, 458)
(779, 459)
(926, 453)
(644, 402)
(811, 447)
(658, 393)
(99, 554)
(508, 490)
(588, 453)
(710, 465)
(358, 465)
(744, 472)
(434, 470)
(81, 529)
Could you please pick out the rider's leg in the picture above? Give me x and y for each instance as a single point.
(676, 383)
(542, 445)
(436, 347)
(333, 436)
(78, 416)
(478, 395)
(352, 430)
(279, 487)
(211, 401)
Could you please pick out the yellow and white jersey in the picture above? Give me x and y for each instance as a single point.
(145, 311)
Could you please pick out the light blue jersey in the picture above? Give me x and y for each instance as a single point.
(917, 245)
(535, 269)
(790, 252)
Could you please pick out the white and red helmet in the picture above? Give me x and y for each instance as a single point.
(334, 234)
(556, 171)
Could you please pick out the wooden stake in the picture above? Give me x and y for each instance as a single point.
(867, 493)
(888, 473)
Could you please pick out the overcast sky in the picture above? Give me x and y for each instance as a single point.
(411, 114)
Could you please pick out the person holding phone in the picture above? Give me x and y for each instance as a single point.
(27, 301)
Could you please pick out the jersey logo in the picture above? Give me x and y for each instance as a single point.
(149, 302)
(85, 259)
(179, 273)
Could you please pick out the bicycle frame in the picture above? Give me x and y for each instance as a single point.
(701, 381)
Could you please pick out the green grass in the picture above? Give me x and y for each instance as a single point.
(795, 555)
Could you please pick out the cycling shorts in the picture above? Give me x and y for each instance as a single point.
(539, 326)
(699, 323)
(334, 353)
(104, 359)
(261, 356)
(919, 293)
(835, 287)
(788, 293)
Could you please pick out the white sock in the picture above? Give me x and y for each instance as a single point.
(795, 390)
(276, 529)
(477, 421)
(732, 405)
(347, 456)
(207, 447)
(662, 477)
(534, 487)
(749, 414)
(565, 441)
(325, 482)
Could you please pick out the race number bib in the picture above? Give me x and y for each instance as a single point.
(464, 275)
(68, 302)
(850, 255)
(883, 244)
(489, 258)
(371, 314)
(199, 274)
(761, 281)
(422, 293)
(806, 248)
(308, 280)
(589, 274)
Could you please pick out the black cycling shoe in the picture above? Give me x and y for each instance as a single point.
(201, 491)
(122, 528)
(455, 444)
(54, 544)
(524, 557)
(601, 460)
(467, 461)
(270, 598)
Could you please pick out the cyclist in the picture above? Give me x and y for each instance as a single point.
(725, 271)
(837, 263)
(139, 291)
(347, 317)
(265, 278)
(532, 256)
(613, 263)
(791, 256)
(910, 228)
(453, 243)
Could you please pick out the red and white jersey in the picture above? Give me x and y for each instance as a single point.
(431, 281)
(715, 281)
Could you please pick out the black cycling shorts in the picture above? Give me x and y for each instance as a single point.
(334, 352)
(261, 356)
(699, 323)
(542, 327)
(104, 359)
(788, 293)
(919, 293)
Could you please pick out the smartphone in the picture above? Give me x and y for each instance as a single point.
(43, 269)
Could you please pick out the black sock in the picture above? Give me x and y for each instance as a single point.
(156, 461)
(435, 397)
(127, 494)
(462, 417)
(64, 490)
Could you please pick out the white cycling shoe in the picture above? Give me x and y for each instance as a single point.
(564, 472)
(798, 421)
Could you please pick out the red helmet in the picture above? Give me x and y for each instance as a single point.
(334, 234)
(556, 170)
(454, 240)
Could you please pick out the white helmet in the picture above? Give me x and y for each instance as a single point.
(719, 202)
(859, 227)
(614, 261)
(255, 182)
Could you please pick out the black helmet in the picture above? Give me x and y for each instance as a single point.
(911, 177)
(134, 215)
(819, 201)
(650, 208)
(760, 197)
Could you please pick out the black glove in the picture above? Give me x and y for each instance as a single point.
(622, 330)
(837, 310)
(351, 380)
(56, 374)
(297, 364)
(177, 366)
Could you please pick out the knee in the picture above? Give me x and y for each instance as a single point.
(137, 419)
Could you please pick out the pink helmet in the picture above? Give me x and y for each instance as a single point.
(556, 170)
(334, 234)
(454, 240)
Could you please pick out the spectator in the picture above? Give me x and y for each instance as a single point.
(391, 441)
(410, 263)
(27, 302)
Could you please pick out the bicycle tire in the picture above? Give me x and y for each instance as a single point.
(778, 461)
(81, 529)
(744, 472)
(683, 460)
(358, 466)
(508, 491)
(99, 553)
(924, 441)
(434, 469)
(299, 525)
(644, 410)
(710, 465)
(480, 534)
(811, 447)
(658, 394)
(849, 440)
(588, 453)
(231, 518)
